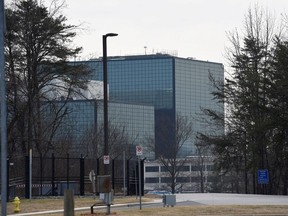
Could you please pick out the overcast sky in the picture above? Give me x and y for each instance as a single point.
(192, 28)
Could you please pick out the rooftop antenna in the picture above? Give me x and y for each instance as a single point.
(145, 47)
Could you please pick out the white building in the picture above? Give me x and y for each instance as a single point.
(195, 171)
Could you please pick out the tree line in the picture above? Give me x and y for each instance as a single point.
(41, 82)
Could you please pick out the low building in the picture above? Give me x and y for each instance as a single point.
(196, 175)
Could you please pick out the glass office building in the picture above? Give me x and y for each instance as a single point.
(172, 86)
(134, 122)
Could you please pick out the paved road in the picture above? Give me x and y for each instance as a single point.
(214, 199)
(232, 199)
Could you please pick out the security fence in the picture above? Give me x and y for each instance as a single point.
(50, 176)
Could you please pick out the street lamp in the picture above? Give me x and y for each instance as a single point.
(105, 108)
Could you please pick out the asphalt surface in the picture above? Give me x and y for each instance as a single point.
(233, 199)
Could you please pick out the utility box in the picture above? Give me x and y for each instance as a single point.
(107, 197)
(169, 200)
(104, 184)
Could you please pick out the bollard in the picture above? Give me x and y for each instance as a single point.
(68, 203)
(16, 203)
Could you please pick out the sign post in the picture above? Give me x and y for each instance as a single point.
(104, 186)
(139, 152)
(92, 178)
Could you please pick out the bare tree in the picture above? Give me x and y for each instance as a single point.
(173, 163)
(92, 142)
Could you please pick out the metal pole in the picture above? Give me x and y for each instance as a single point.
(105, 106)
(105, 111)
(3, 115)
(105, 101)
(139, 182)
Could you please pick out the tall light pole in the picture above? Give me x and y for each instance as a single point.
(105, 108)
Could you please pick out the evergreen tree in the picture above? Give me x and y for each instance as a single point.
(255, 99)
(277, 81)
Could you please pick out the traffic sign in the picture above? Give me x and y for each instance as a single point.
(263, 176)
(106, 159)
(139, 150)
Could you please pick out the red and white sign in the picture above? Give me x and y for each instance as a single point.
(139, 150)
(106, 159)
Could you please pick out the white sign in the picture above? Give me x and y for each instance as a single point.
(106, 159)
(139, 150)
(92, 176)
(101, 196)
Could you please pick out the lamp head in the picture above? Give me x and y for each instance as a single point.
(111, 35)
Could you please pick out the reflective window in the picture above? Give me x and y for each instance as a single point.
(151, 180)
(152, 169)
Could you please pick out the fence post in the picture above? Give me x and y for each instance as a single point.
(8, 176)
(82, 167)
(113, 174)
(41, 174)
(142, 176)
(124, 174)
(98, 167)
(128, 179)
(53, 175)
(67, 168)
(27, 174)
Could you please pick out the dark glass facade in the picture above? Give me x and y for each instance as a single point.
(173, 86)
(85, 116)
(139, 79)
(193, 93)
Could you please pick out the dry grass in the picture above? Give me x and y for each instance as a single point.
(209, 210)
(45, 204)
(36, 205)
